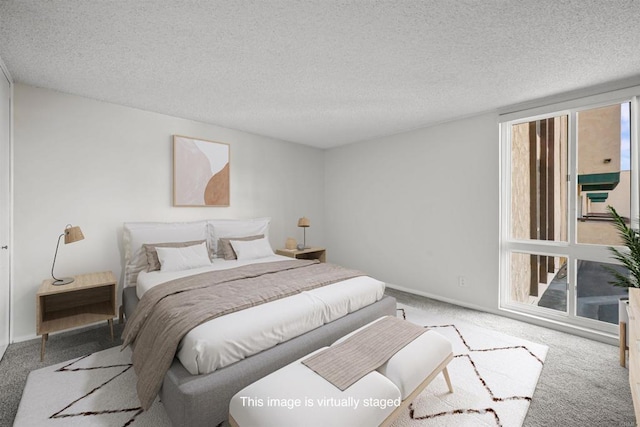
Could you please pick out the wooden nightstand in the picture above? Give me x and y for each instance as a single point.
(88, 299)
(309, 253)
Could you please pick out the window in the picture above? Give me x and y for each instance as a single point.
(560, 170)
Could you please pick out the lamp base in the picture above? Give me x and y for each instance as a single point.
(63, 281)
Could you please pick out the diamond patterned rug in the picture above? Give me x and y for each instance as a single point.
(493, 375)
(94, 390)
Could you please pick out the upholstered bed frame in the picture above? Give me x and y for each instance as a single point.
(203, 400)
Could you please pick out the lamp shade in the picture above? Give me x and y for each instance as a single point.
(72, 234)
(304, 222)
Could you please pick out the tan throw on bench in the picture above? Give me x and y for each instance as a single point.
(365, 351)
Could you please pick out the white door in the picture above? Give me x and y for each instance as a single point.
(5, 209)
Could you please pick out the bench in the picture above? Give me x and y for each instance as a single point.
(295, 395)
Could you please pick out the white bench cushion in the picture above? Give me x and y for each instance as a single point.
(415, 362)
(295, 383)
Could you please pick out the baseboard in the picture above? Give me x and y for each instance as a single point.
(443, 299)
(527, 318)
(23, 338)
(76, 328)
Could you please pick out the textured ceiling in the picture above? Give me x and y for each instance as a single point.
(323, 72)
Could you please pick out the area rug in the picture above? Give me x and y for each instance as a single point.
(493, 376)
(94, 390)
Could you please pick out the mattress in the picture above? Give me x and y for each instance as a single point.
(225, 340)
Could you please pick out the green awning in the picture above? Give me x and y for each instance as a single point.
(598, 181)
(598, 197)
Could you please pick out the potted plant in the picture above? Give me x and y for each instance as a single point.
(631, 260)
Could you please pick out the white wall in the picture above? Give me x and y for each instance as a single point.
(419, 209)
(97, 165)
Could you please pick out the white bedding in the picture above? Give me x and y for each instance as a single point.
(228, 339)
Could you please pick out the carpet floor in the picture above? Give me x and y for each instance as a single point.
(494, 377)
(581, 384)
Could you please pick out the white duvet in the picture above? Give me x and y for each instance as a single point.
(228, 339)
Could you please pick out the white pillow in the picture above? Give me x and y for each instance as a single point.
(179, 259)
(137, 233)
(251, 249)
(223, 228)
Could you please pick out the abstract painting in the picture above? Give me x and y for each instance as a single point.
(200, 172)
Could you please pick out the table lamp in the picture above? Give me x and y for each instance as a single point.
(304, 223)
(71, 234)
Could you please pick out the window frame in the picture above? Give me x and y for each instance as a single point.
(570, 249)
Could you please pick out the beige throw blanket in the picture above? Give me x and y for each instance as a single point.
(365, 351)
(168, 311)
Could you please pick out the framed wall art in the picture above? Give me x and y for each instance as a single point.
(200, 172)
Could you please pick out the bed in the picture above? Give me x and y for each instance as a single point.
(220, 357)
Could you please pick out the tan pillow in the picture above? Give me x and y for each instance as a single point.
(153, 264)
(227, 250)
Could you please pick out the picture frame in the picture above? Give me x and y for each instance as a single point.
(201, 172)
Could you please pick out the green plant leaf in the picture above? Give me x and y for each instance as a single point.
(630, 260)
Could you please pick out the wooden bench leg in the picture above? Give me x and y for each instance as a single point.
(407, 401)
(121, 315)
(445, 372)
